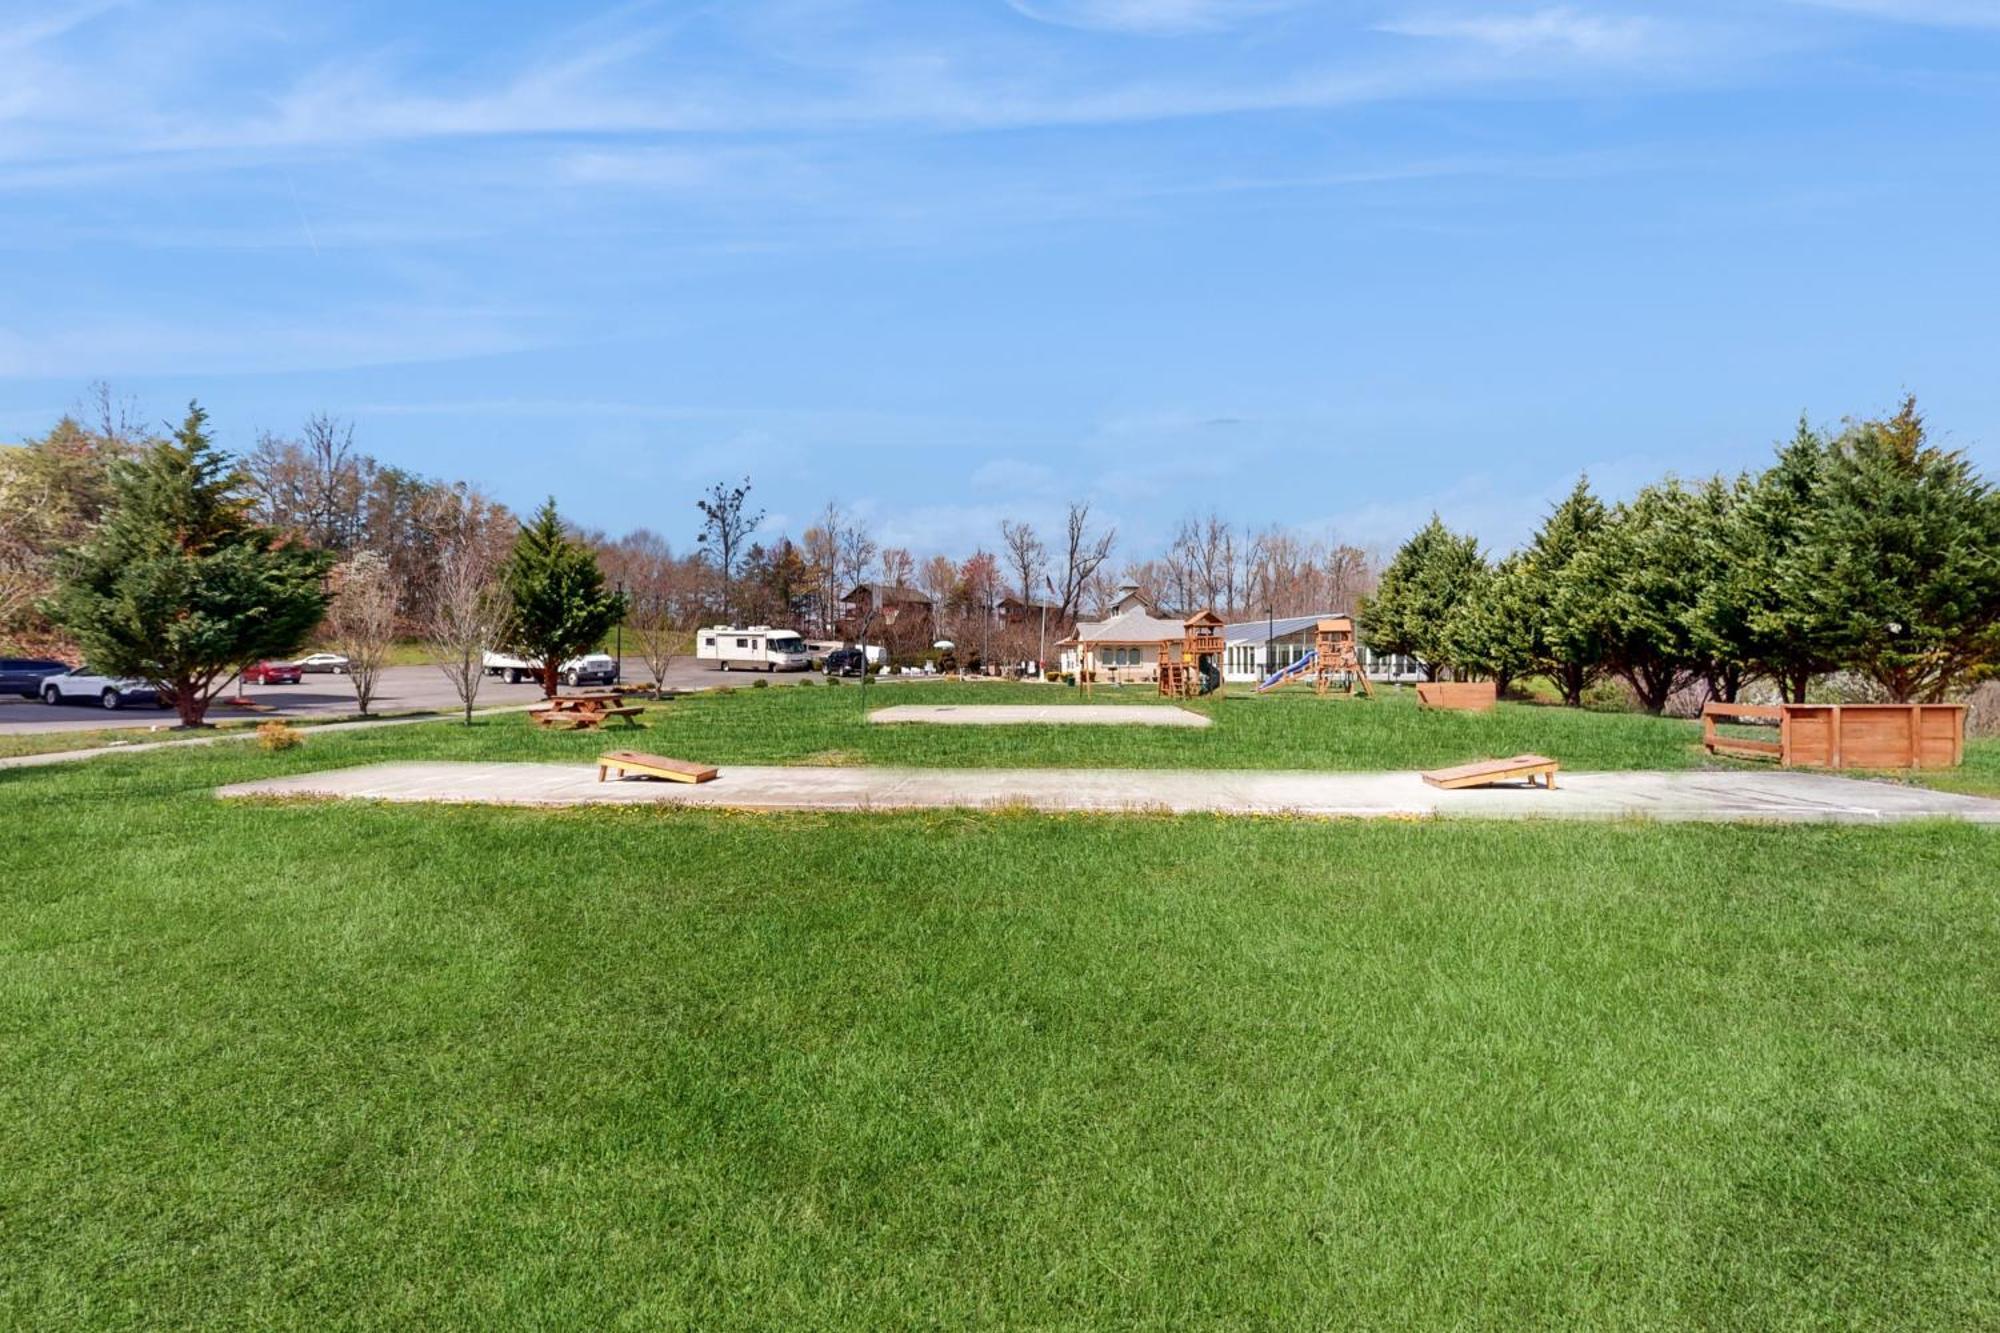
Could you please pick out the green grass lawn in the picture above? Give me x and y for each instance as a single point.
(349, 1065)
(820, 725)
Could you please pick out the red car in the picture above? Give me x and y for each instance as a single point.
(273, 673)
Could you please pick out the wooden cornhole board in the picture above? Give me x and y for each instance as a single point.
(1489, 771)
(1471, 696)
(628, 762)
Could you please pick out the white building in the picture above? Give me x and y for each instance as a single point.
(1256, 648)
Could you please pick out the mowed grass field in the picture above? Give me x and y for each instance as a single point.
(342, 1065)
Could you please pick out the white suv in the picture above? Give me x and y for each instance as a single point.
(82, 685)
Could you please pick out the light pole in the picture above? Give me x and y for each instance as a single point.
(1270, 632)
(619, 635)
(1042, 648)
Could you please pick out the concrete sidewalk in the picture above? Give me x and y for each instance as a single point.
(1776, 796)
(1052, 715)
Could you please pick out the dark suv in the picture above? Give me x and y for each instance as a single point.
(845, 662)
(24, 675)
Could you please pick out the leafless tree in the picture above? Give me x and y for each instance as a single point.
(1083, 552)
(899, 568)
(665, 598)
(726, 523)
(1027, 557)
(361, 620)
(467, 616)
(857, 552)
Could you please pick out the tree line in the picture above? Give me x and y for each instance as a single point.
(1868, 551)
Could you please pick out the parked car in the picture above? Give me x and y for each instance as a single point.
(273, 673)
(81, 685)
(333, 662)
(589, 669)
(24, 675)
(845, 662)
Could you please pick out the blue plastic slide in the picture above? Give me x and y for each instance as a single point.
(1283, 674)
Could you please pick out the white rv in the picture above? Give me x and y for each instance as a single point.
(758, 648)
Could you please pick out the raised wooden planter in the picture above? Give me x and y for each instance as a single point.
(1844, 735)
(1470, 696)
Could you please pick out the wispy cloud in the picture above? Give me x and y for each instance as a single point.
(1937, 13)
(1562, 29)
(1147, 16)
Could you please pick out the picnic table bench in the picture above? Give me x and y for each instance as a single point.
(1486, 772)
(625, 763)
(579, 712)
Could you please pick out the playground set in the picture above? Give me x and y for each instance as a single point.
(1193, 667)
(1333, 656)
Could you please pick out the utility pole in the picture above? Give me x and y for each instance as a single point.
(619, 635)
(1042, 658)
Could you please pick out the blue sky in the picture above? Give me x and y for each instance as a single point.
(1329, 265)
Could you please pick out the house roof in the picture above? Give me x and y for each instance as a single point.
(885, 595)
(1012, 599)
(1255, 631)
(1133, 625)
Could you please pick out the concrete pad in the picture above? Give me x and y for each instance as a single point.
(1050, 715)
(1776, 796)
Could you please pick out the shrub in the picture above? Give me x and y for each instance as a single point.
(275, 736)
(760, 684)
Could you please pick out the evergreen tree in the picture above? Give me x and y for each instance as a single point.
(1492, 630)
(1634, 590)
(1411, 610)
(1761, 607)
(1567, 648)
(560, 605)
(177, 586)
(1902, 559)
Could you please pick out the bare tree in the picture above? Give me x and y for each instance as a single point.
(1026, 557)
(899, 568)
(468, 615)
(726, 523)
(659, 587)
(1083, 552)
(361, 620)
(857, 552)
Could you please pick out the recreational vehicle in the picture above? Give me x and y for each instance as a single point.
(758, 648)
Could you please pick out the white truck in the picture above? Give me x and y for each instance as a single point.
(758, 648)
(588, 669)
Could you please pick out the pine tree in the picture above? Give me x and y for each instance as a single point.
(1762, 608)
(1411, 610)
(1491, 630)
(1902, 559)
(1633, 590)
(177, 586)
(561, 607)
(1566, 648)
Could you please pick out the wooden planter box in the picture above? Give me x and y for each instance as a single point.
(1844, 735)
(1473, 696)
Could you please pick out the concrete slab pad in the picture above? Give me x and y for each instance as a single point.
(1762, 797)
(1046, 715)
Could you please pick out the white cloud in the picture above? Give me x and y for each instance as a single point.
(1147, 16)
(1562, 29)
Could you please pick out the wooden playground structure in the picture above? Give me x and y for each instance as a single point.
(1193, 667)
(1843, 735)
(1335, 656)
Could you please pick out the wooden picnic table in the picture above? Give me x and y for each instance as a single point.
(582, 710)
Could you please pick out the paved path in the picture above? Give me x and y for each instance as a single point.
(1777, 796)
(1061, 715)
(239, 732)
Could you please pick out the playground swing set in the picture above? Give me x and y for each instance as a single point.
(1334, 657)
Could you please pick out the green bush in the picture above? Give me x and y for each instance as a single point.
(760, 684)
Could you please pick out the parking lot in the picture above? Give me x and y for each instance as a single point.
(400, 689)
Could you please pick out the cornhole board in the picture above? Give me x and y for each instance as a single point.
(1471, 696)
(629, 762)
(1522, 767)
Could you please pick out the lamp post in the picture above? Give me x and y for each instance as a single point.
(618, 635)
(1042, 647)
(1270, 632)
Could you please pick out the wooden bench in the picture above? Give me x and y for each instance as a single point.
(1469, 696)
(1843, 735)
(1522, 767)
(629, 762)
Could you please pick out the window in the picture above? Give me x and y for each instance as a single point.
(743, 643)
